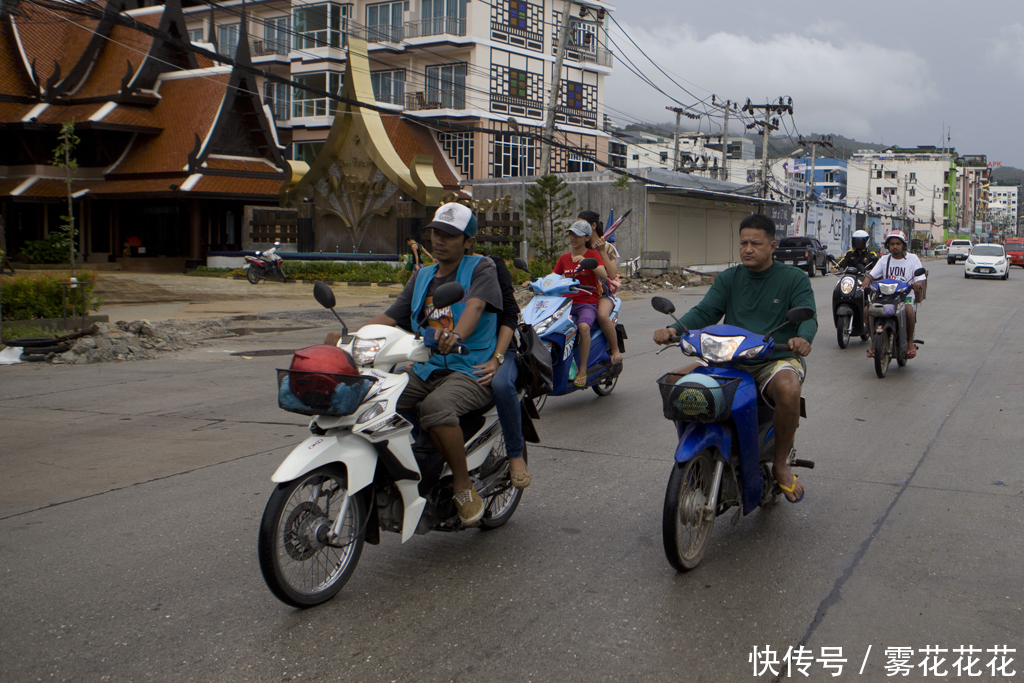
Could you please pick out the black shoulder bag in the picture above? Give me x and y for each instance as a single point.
(533, 361)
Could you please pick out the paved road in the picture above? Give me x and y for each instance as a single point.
(133, 492)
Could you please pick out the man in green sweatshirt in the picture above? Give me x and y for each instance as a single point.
(756, 296)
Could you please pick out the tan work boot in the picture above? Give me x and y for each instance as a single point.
(470, 506)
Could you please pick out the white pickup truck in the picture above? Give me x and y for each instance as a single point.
(959, 250)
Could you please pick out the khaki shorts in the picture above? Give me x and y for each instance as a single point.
(442, 399)
(764, 372)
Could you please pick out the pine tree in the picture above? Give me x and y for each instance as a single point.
(63, 157)
(550, 207)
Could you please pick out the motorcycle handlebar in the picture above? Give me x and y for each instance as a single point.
(674, 339)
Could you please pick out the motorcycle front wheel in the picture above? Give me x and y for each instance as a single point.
(686, 525)
(843, 331)
(301, 566)
(252, 276)
(883, 352)
(605, 386)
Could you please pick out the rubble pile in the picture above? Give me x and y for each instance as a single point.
(666, 281)
(138, 340)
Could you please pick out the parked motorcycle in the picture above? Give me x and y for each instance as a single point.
(264, 265)
(848, 306)
(887, 308)
(549, 313)
(366, 467)
(726, 437)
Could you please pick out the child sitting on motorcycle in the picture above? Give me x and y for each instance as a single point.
(610, 258)
(584, 302)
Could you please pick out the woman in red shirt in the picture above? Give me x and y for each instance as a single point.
(584, 302)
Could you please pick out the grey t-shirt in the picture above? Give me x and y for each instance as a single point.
(484, 286)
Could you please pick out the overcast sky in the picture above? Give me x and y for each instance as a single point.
(892, 71)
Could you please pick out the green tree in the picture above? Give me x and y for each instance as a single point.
(550, 208)
(63, 157)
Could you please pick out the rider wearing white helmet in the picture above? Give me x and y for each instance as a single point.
(898, 264)
(859, 255)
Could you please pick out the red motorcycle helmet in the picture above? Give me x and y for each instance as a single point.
(315, 371)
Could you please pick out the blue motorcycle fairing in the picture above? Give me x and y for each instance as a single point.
(901, 286)
(750, 341)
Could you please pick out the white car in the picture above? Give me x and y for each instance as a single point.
(987, 260)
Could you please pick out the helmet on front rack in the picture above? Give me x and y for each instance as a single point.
(316, 371)
(860, 239)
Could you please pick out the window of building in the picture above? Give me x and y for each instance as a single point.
(579, 164)
(321, 25)
(306, 103)
(459, 147)
(389, 86)
(306, 151)
(878, 190)
(446, 86)
(443, 17)
(573, 95)
(514, 156)
(278, 97)
(878, 173)
(890, 174)
(912, 192)
(636, 157)
(385, 22)
(518, 83)
(195, 35)
(664, 157)
(518, 14)
(227, 39)
(831, 176)
(583, 36)
(277, 34)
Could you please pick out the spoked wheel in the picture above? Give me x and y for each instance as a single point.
(503, 501)
(605, 386)
(883, 352)
(540, 402)
(252, 276)
(770, 492)
(686, 524)
(302, 565)
(843, 331)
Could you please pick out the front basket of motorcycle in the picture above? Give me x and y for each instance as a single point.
(321, 393)
(685, 398)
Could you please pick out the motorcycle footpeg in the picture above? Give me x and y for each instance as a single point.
(918, 341)
(809, 464)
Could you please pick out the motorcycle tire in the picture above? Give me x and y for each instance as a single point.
(685, 525)
(291, 550)
(605, 386)
(843, 330)
(883, 352)
(540, 402)
(252, 276)
(501, 505)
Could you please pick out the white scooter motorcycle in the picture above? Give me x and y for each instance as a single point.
(364, 470)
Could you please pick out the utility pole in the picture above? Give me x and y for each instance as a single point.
(823, 142)
(767, 126)
(728, 107)
(680, 111)
(556, 83)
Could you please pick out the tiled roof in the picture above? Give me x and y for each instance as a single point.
(131, 115)
(76, 112)
(12, 76)
(216, 184)
(411, 139)
(188, 107)
(47, 36)
(11, 112)
(51, 188)
(112, 187)
(256, 165)
(125, 45)
(7, 185)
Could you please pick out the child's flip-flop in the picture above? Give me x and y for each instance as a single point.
(791, 489)
(580, 381)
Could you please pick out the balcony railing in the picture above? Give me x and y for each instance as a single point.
(435, 26)
(262, 48)
(449, 98)
(598, 55)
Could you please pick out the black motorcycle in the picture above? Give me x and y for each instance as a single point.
(848, 305)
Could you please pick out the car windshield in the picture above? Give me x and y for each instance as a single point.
(795, 242)
(987, 250)
(1015, 246)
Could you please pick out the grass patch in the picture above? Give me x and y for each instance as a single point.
(26, 330)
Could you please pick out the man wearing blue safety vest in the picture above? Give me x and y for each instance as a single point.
(446, 387)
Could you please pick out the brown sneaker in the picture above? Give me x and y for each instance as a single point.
(469, 505)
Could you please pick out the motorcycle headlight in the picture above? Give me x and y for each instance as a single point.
(365, 351)
(752, 353)
(688, 348)
(887, 288)
(846, 285)
(544, 325)
(373, 411)
(719, 349)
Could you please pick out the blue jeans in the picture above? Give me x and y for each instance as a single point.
(506, 399)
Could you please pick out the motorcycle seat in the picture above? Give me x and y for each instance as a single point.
(473, 421)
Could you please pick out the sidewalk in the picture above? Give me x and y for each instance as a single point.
(160, 296)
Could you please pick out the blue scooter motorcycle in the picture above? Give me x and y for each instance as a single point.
(887, 311)
(726, 437)
(549, 313)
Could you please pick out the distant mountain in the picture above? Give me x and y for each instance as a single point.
(1007, 173)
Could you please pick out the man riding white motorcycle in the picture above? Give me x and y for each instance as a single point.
(446, 387)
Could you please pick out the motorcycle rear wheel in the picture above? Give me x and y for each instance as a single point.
(252, 276)
(501, 505)
(540, 402)
(300, 567)
(605, 386)
(883, 352)
(685, 524)
(843, 331)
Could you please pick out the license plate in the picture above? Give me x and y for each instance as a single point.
(985, 270)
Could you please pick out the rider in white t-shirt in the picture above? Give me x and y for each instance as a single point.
(900, 265)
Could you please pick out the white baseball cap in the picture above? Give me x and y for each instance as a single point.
(454, 219)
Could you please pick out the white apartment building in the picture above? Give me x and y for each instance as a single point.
(695, 156)
(916, 183)
(1003, 205)
(480, 64)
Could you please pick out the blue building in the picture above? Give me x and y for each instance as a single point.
(829, 178)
